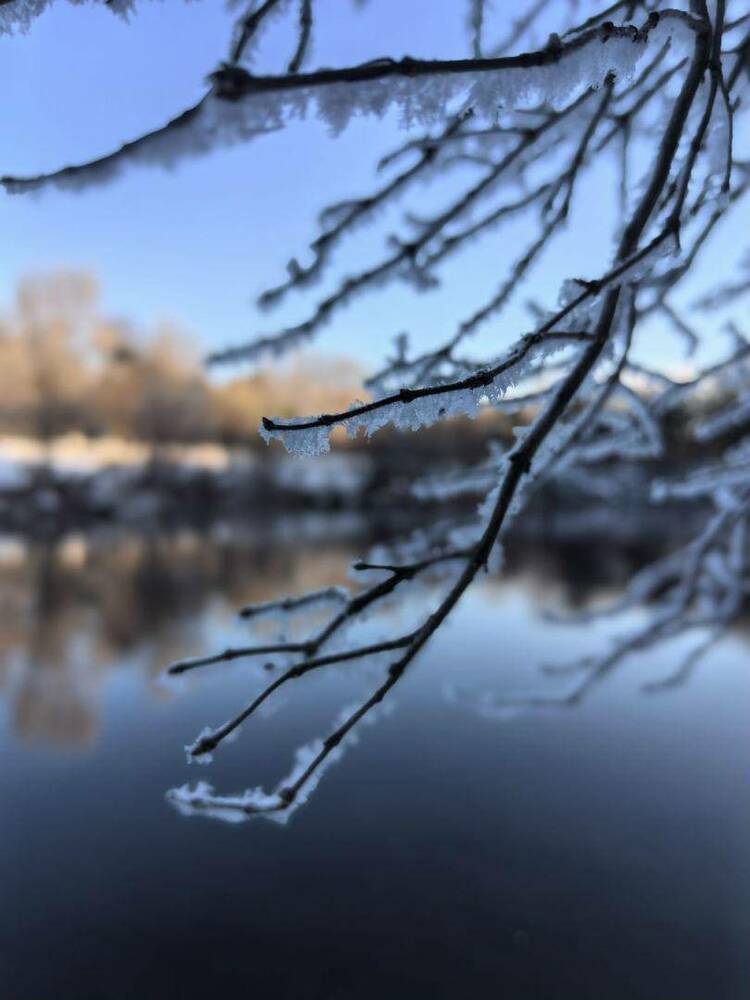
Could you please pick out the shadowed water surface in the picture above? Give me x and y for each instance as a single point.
(459, 849)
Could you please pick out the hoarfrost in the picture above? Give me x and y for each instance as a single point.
(190, 748)
(311, 435)
(202, 800)
(226, 116)
(307, 441)
(198, 130)
(420, 412)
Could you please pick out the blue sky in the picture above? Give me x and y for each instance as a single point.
(196, 245)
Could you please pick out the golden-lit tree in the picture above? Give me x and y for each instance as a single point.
(47, 354)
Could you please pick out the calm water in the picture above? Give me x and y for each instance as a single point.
(457, 850)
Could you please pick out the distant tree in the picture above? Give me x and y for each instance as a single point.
(47, 355)
(64, 367)
(656, 88)
(172, 400)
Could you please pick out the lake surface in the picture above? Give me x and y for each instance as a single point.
(459, 849)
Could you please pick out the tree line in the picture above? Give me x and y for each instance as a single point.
(66, 368)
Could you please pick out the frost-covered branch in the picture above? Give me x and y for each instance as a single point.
(612, 314)
(412, 408)
(241, 105)
(652, 94)
(588, 413)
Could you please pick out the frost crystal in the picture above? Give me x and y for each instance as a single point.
(308, 441)
(421, 412)
(420, 99)
(202, 799)
(190, 748)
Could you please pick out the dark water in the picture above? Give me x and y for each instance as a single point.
(458, 850)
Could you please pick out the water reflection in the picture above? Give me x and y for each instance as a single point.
(73, 609)
(455, 851)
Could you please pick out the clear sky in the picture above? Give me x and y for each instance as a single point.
(197, 245)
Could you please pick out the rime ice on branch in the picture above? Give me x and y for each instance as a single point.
(241, 105)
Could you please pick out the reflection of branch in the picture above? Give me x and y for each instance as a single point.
(597, 670)
(685, 668)
(702, 588)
